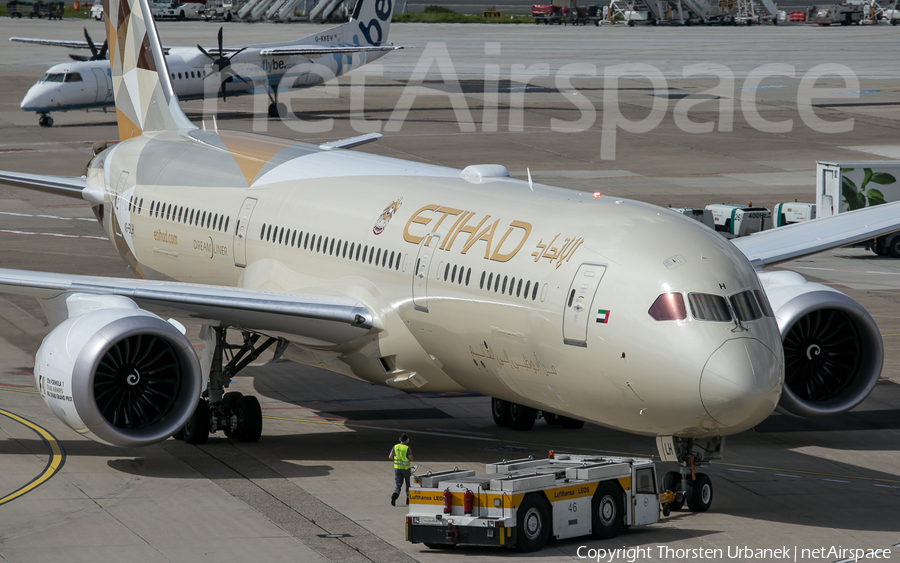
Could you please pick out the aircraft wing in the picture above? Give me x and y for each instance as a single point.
(61, 43)
(325, 50)
(60, 185)
(793, 241)
(323, 320)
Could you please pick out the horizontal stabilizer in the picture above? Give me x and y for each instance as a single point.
(350, 142)
(793, 241)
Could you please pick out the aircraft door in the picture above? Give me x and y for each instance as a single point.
(579, 303)
(103, 87)
(241, 230)
(427, 248)
(645, 509)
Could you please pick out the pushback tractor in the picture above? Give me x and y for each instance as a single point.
(520, 504)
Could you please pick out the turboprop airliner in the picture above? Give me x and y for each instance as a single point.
(194, 72)
(572, 305)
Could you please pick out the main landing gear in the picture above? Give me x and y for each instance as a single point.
(276, 109)
(237, 415)
(689, 485)
(520, 417)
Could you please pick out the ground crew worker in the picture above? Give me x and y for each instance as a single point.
(402, 457)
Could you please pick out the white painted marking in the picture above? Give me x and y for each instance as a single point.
(835, 481)
(884, 486)
(791, 476)
(742, 471)
(10, 213)
(60, 235)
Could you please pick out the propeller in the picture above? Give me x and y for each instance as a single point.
(221, 64)
(96, 55)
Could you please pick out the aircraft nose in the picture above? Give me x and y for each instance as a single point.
(741, 383)
(33, 99)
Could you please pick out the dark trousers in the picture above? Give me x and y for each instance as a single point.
(401, 476)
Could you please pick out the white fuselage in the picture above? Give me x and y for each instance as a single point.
(87, 84)
(538, 296)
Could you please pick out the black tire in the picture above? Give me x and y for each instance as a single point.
(700, 493)
(196, 431)
(571, 423)
(521, 417)
(181, 16)
(670, 483)
(551, 418)
(500, 411)
(249, 419)
(231, 400)
(533, 523)
(630, 23)
(893, 247)
(607, 511)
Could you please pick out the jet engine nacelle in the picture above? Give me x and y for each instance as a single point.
(832, 348)
(116, 373)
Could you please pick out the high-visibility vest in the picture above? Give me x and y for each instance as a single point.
(401, 461)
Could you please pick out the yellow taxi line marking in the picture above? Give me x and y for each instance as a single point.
(2, 388)
(54, 463)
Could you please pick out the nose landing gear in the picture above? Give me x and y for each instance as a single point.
(45, 120)
(689, 485)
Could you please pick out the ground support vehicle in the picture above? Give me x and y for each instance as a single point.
(846, 13)
(848, 185)
(704, 216)
(793, 212)
(191, 10)
(219, 10)
(560, 11)
(18, 9)
(733, 220)
(521, 503)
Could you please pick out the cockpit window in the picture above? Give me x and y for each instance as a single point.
(53, 77)
(763, 303)
(706, 307)
(73, 77)
(745, 306)
(668, 307)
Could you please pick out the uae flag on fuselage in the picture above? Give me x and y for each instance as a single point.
(602, 316)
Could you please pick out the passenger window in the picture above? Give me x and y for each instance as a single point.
(216, 218)
(191, 219)
(262, 233)
(346, 243)
(397, 267)
(305, 240)
(378, 257)
(384, 258)
(490, 280)
(325, 248)
(331, 248)
(534, 291)
(179, 213)
(179, 76)
(481, 284)
(519, 289)
(453, 275)
(281, 235)
(468, 274)
(504, 284)
(203, 221)
(352, 248)
(294, 239)
(391, 263)
(706, 307)
(319, 243)
(446, 272)
(497, 283)
(512, 283)
(141, 206)
(268, 233)
(169, 212)
(371, 254)
(221, 218)
(527, 287)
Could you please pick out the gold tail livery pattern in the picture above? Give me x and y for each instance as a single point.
(145, 100)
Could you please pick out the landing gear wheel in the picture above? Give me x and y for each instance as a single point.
(500, 411)
(630, 23)
(551, 418)
(196, 431)
(521, 417)
(533, 526)
(700, 493)
(893, 247)
(670, 483)
(607, 511)
(249, 419)
(571, 423)
(231, 400)
(45, 121)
